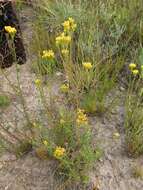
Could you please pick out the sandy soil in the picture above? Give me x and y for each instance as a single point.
(112, 172)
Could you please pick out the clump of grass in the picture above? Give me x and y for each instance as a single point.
(22, 148)
(4, 101)
(104, 72)
(134, 126)
(134, 113)
(94, 99)
(89, 103)
(93, 103)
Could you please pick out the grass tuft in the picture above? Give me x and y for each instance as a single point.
(4, 101)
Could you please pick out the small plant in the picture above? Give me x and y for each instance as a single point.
(47, 62)
(138, 171)
(89, 102)
(134, 126)
(22, 148)
(69, 142)
(134, 113)
(94, 98)
(4, 101)
(77, 139)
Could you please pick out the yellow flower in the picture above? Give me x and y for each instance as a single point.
(71, 20)
(81, 117)
(64, 88)
(11, 30)
(34, 125)
(45, 142)
(135, 72)
(37, 82)
(142, 67)
(63, 39)
(65, 52)
(66, 25)
(59, 152)
(116, 135)
(87, 65)
(69, 25)
(48, 54)
(62, 121)
(72, 23)
(132, 66)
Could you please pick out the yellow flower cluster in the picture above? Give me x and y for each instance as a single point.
(64, 88)
(48, 54)
(116, 135)
(81, 117)
(135, 72)
(87, 65)
(133, 69)
(69, 25)
(59, 152)
(37, 82)
(63, 39)
(45, 142)
(11, 30)
(65, 52)
(132, 66)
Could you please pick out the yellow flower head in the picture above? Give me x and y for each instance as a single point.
(132, 66)
(116, 135)
(64, 88)
(59, 152)
(72, 23)
(48, 54)
(45, 142)
(87, 65)
(11, 30)
(63, 39)
(135, 71)
(71, 20)
(34, 124)
(66, 25)
(65, 52)
(37, 82)
(69, 25)
(81, 117)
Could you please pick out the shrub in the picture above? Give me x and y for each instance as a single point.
(69, 141)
